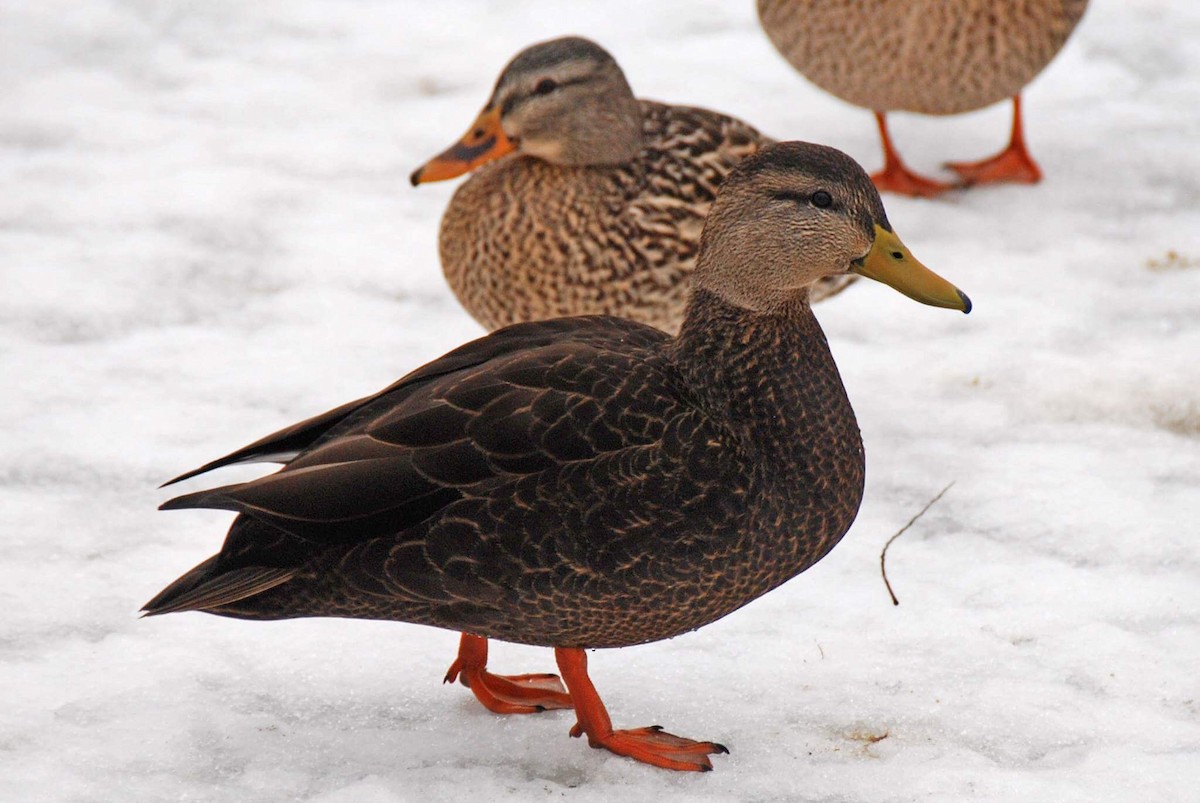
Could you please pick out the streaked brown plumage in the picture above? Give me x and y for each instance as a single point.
(595, 201)
(586, 482)
(926, 56)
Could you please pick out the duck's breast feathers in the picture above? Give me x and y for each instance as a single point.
(529, 399)
(524, 239)
(928, 56)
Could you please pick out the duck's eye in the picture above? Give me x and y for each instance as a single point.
(821, 199)
(545, 86)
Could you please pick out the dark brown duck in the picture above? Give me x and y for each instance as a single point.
(586, 482)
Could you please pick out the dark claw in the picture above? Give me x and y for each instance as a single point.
(720, 747)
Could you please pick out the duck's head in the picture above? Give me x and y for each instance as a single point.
(796, 212)
(565, 101)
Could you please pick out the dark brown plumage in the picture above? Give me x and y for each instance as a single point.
(585, 482)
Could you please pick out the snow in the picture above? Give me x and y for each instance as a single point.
(206, 232)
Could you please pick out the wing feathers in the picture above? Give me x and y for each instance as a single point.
(333, 502)
(279, 446)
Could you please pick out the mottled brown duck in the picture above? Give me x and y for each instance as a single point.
(584, 199)
(928, 56)
(586, 482)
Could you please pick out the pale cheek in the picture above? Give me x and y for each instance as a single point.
(860, 244)
(549, 150)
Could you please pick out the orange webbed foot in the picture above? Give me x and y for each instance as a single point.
(650, 745)
(1012, 165)
(653, 745)
(504, 694)
(899, 179)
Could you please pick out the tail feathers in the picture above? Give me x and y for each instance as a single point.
(232, 460)
(199, 590)
(212, 498)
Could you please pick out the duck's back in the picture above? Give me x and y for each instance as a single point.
(524, 240)
(928, 56)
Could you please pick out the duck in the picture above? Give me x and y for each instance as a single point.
(937, 57)
(582, 199)
(586, 482)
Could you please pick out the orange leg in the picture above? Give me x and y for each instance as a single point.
(896, 177)
(650, 745)
(504, 694)
(1012, 164)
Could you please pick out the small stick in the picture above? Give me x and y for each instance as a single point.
(900, 532)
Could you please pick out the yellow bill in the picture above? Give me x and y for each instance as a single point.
(889, 261)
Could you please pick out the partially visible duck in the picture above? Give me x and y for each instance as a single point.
(927, 56)
(584, 200)
(586, 482)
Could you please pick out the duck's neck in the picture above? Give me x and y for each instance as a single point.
(772, 378)
(613, 135)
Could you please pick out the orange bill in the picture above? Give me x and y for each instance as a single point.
(484, 142)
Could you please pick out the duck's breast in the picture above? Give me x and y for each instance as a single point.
(928, 56)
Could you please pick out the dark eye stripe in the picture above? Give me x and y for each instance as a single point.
(819, 199)
(797, 197)
(583, 79)
(513, 101)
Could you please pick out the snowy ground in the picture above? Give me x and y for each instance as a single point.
(206, 232)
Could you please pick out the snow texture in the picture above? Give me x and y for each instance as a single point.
(206, 232)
